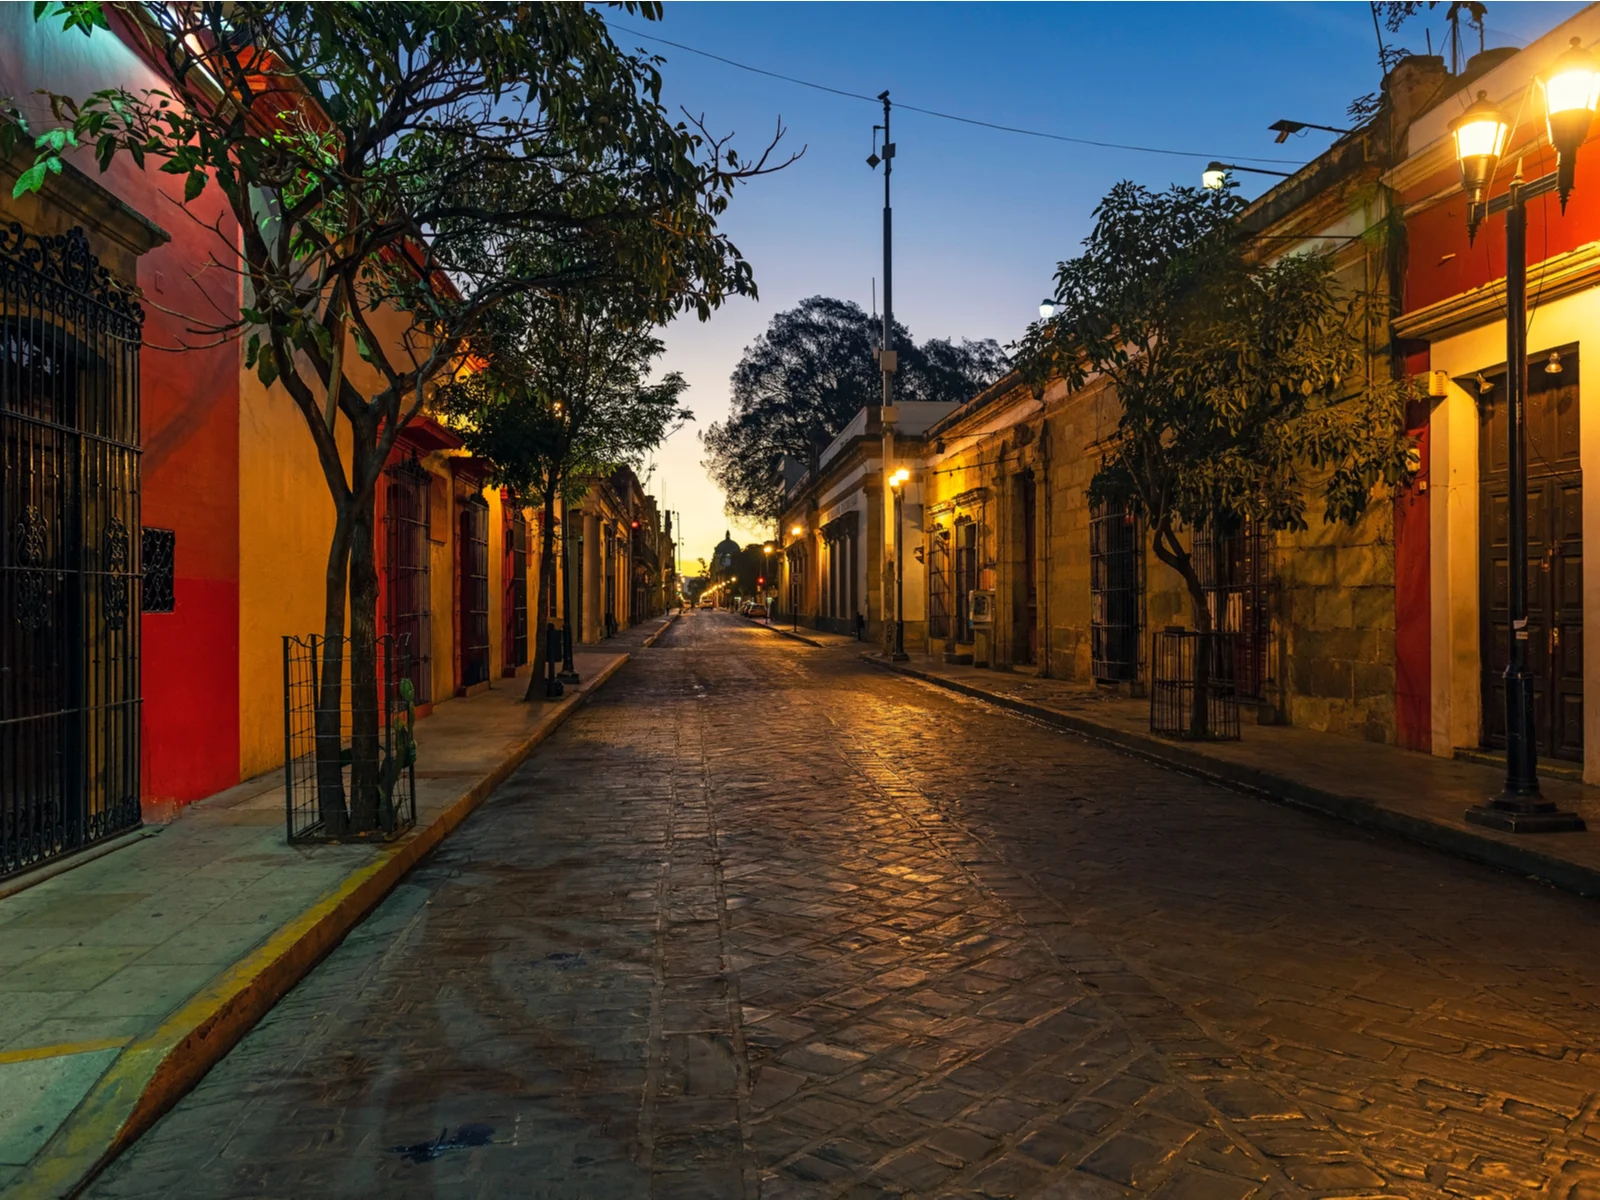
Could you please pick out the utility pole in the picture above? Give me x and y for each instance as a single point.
(887, 363)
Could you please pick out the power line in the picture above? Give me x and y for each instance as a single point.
(943, 116)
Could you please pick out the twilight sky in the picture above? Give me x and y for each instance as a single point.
(981, 216)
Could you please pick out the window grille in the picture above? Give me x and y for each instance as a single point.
(409, 580)
(158, 547)
(69, 506)
(516, 591)
(1238, 574)
(1116, 592)
(966, 577)
(474, 600)
(939, 584)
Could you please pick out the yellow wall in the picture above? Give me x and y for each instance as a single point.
(286, 524)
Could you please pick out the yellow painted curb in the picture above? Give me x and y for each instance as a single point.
(62, 1050)
(155, 1071)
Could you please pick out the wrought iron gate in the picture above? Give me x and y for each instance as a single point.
(69, 549)
(1116, 593)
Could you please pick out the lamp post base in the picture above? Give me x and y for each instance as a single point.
(570, 677)
(899, 656)
(1519, 816)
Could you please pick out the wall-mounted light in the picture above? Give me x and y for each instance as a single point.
(1552, 366)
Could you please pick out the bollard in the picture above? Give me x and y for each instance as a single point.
(552, 655)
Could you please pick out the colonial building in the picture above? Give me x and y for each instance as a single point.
(1451, 547)
(1390, 630)
(164, 523)
(832, 528)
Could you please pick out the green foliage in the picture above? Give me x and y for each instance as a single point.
(1245, 386)
(383, 176)
(386, 157)
(807, 376)
(564, 395)
(85, 15)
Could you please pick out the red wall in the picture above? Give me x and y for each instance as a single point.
(1440, 263)
(189, 421)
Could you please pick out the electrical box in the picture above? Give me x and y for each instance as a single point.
(1438, 384)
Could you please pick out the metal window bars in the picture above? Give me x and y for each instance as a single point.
(1116, 593)
(474, 591)
(1238, 571)
(517, 591)
(407, 573)
(69, 549)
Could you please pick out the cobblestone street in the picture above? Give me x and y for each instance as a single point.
(762, 920)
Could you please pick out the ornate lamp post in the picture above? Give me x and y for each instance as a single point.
(1571, 88)
(898, 482)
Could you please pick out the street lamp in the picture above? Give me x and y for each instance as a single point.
(1571, 88)
(1215, 176)
(897, 481)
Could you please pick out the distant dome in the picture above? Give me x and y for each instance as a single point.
(726, 553)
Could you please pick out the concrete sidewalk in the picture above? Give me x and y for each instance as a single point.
(1385, 788)
(123, 979)
(811, 637)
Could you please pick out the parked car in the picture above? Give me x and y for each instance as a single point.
(756, 612)
(708, 604)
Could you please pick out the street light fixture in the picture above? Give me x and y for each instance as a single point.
(1215, 176)
(1284, 128)
(897, 481)
(1571, 88)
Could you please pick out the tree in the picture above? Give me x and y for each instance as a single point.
(1235, 376)
(385, 167)
(563, 399)
(802, 381)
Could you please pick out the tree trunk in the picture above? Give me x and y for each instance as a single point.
(547, 574)
(1170, 551)
(328, 717)
(365, 699)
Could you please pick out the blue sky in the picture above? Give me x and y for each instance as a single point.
(981, 216)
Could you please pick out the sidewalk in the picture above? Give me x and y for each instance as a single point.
(122, 980)
(811, 637)
(1384, 788)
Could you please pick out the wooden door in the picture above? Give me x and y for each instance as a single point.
(1555, 556)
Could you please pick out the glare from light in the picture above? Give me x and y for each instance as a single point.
(1574, 83)
(1047, 309)
(1482, 137)
(1214, 177)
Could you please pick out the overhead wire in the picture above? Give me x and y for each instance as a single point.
(943, 116)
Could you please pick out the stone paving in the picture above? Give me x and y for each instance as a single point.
(764, 922)
(93, 958)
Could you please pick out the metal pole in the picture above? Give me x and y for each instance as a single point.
(1520, 807)
(886, 363)
(1522, 779)
(899, 576)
